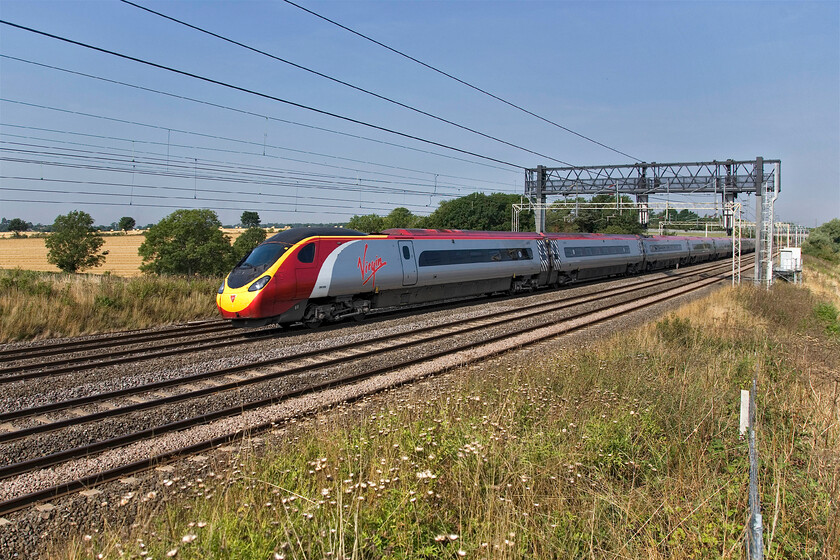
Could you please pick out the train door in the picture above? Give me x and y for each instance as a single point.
(409, 265)
(306, 270)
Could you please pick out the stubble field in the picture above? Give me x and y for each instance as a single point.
(30, 253)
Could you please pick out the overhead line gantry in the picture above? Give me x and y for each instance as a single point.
(727, 179)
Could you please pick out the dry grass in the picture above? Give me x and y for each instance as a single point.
(626, 449)
(43, 305)
(30, 253)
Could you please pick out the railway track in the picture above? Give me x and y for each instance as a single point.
(281, 379)
(123, 338)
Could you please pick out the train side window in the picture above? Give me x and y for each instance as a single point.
(406, 252)
(307, 254)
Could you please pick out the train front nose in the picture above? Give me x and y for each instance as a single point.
(242, 302)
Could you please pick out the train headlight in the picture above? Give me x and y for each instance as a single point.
(259, 284)
(221, 289)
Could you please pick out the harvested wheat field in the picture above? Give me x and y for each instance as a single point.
(30, 253)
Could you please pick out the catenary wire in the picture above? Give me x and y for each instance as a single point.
(331, 187)
(411, 180)
(191, 164)
(342, 82)
(189, 170)
(180, 131)
(343, 208)
(256, 93)
(169, 206)
(460, 81)
(371, 205)
(188, 189)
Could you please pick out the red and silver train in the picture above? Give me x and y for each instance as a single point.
(312, 275)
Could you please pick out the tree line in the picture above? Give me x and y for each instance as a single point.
(476, 211)
(492, 212)
(192, 242)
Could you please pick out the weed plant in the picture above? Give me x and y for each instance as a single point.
(42, 304)
(627, 448)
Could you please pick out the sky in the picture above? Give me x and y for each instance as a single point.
(656, 81)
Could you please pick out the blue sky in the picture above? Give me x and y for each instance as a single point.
(661, 81)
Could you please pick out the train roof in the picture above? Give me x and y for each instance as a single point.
(293, 235)
(449, 233)
(473, 234)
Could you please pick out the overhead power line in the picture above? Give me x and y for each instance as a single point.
(303, 210)
(342, 82)
(268, 117)
(254, 92)
(406, 180)
(192, 194)
(223, 138)
(459, 80)
(189, 168)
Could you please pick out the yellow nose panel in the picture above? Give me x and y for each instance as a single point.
(234, 301)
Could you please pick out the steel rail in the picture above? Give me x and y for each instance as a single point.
(123, 338)
(72, 365)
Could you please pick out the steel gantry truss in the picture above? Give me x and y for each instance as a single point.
(726, 179)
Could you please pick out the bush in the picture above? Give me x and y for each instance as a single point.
(824, 242)
(186, 242)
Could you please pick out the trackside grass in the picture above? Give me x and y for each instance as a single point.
(43, 304)
(627, 448)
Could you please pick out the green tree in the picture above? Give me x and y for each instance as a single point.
(560, 216)
(250, 219)
(126, 223)
(400, 218)
(824, 241)
(608, 220)
(686, 215)
(246, 242)
(368, 223)
(18, 225)
(73, 244)
(186, 242)
(478, 211)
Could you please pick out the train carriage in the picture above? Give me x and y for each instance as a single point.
(723, 247)
(586, 256)
(664, 252)
(700, 249)
(312, 275)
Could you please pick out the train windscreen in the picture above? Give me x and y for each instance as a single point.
(255, 263)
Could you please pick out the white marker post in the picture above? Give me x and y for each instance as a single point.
(745, 412)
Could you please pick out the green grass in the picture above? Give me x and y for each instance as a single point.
(42, 304)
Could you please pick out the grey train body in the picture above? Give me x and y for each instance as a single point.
(396, 272)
